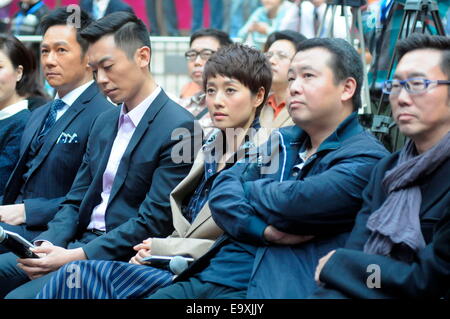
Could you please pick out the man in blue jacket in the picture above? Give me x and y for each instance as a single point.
(400, 245)
(297, 200)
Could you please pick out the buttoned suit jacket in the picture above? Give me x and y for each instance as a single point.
(138, 205)
(56, 164)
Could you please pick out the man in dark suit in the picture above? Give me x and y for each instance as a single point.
(400, 245)
(55, 137)
(136, 155)
(100, 8)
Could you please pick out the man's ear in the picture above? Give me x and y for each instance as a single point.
(348, 89)
(143, 57)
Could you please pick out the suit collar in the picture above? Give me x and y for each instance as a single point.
(186, 187)
(73, 95)
(122, 171)
(50, 140)
(138, 112)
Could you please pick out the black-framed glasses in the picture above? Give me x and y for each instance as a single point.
(412, 86)
(280, 55)
(205, 54)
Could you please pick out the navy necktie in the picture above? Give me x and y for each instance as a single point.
(51, 118)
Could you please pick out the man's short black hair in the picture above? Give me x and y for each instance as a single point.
(130, 33)
(289, 35)
(63, 16)
(417, 41)
(243, 63)
(222, 37)
(345, 62)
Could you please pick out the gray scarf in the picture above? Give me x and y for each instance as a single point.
(397, 220)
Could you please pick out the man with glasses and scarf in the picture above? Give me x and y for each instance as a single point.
(399, 247)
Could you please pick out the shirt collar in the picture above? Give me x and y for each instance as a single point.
(272, 102)
(138, 112)
(13, 109)
(346, 129)
(73, 95)
(102, 4)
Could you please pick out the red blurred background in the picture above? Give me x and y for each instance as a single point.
(184, 10)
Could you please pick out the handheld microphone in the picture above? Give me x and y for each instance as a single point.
(178, 264)
(16, 244)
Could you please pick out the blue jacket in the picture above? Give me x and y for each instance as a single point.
(321, 201)
(11, 130)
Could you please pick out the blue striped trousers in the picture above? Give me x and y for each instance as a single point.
(98, 279)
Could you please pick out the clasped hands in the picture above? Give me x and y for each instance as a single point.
(143, 250)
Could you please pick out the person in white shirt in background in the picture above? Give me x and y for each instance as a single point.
(307, 16)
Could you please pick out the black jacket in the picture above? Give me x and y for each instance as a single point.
(428, 276)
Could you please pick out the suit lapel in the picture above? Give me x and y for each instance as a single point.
(63, 123)
(186, 187)
(108, 132)
(140, 131)
(203, 215)
(36, 125)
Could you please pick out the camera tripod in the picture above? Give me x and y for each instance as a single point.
(354, 35)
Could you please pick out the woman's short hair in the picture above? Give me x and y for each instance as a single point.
(243, 63)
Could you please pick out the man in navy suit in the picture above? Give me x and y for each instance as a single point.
(136, 155)
(55, 137)
(100, 8)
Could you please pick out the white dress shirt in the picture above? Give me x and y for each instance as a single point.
(101, 7)
(126, 126)
(70, 98)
